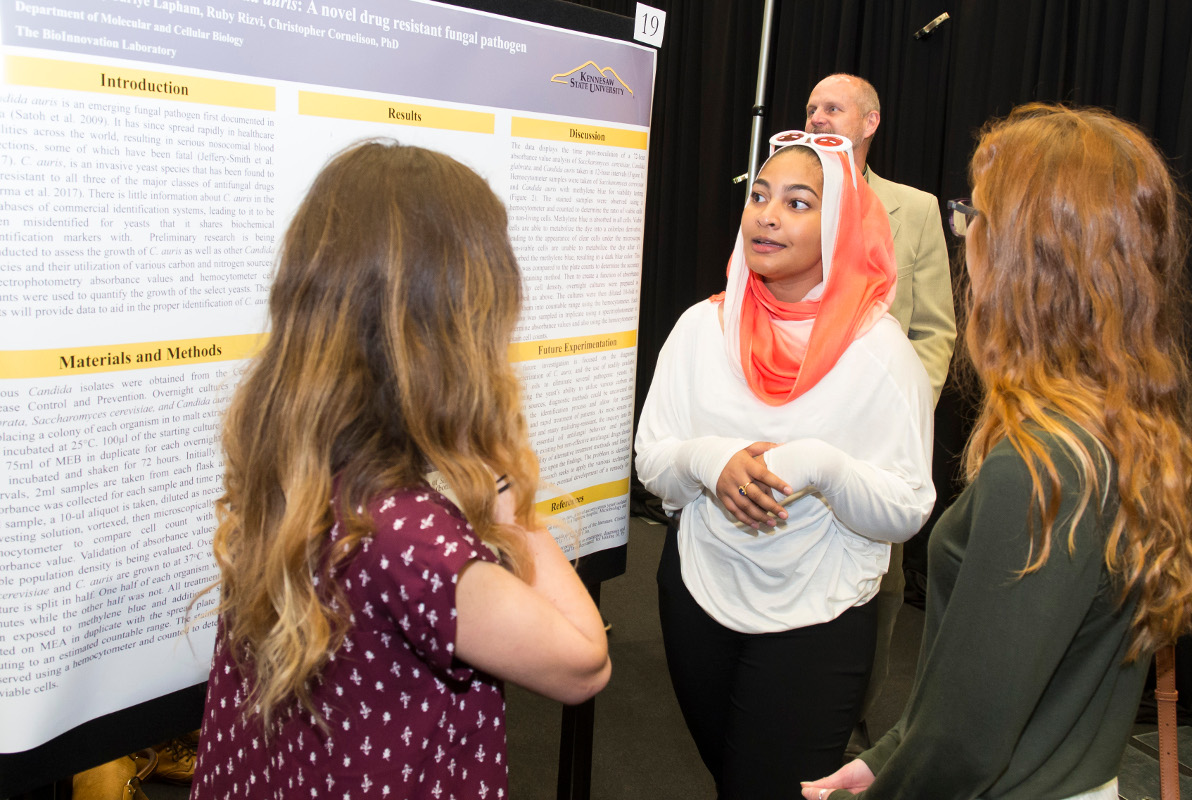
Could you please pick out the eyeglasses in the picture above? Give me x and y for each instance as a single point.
(819, 141)
(962, 215)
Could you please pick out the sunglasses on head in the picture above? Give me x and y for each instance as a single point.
(817, 141)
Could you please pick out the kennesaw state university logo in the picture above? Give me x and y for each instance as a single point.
(591, 78)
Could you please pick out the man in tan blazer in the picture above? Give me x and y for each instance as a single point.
(848, 106)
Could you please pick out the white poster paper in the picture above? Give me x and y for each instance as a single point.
(151, 154)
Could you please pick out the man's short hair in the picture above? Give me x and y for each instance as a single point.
(866, 95)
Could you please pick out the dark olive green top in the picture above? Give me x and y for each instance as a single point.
(1021, 691)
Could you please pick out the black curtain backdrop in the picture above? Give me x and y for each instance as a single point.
(1132, 58)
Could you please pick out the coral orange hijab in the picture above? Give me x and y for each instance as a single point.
(783, 349)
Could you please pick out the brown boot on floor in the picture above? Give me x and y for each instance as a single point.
(176, 759)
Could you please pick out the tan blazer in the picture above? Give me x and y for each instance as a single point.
(923, 300)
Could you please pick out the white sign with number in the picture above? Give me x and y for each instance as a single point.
(649, 25)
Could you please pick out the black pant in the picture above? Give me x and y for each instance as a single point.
(766, 710)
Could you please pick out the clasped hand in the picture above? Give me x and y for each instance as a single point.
(745, 487)
(855, 777)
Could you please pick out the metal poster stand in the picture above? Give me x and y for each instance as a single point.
(759, 99)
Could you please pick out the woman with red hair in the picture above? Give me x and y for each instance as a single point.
(1067, 560)
(790, 422)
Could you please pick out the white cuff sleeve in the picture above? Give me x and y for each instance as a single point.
(884, 504)
(679, 471)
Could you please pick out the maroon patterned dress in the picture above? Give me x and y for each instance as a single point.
(406, 719)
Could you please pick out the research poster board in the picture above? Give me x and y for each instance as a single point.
(151, 154)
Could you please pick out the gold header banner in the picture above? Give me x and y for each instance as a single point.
(576, 133)
(572, 346)
(582, 497)
(60, 361)
(315, 104)
(132, 82)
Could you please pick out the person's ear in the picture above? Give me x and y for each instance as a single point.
(872, 120)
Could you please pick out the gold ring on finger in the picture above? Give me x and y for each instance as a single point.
(741, 489)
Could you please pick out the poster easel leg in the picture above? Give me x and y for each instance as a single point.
(575, 741)
(61, 790)
(575, 751)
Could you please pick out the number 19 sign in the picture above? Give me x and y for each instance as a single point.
(650, 24)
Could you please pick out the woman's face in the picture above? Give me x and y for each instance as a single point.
(781, 225)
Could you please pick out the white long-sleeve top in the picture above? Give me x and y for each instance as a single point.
(857, 445)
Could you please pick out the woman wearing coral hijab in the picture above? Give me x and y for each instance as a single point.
(789, 422)
(1067, 559)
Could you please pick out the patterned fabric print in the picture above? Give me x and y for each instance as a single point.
(406, 719)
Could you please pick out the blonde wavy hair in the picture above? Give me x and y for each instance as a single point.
(1076, 285)
(395, 296)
